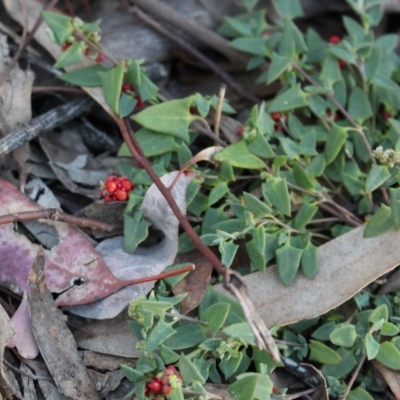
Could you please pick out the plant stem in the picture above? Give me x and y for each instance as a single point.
(353, 377)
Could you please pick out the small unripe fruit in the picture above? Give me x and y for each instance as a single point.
(167, 390)
(100, 58)
(239, 131)
(334, 39)
(276, 116)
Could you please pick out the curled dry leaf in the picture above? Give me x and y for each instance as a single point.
(345, 266)
(55, 340)
(6, 334)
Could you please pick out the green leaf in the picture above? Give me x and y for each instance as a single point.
(336, 139)
(288, 261)
(256, 249)
(215, 316)
(330, 71)
(292, 42)
(395, 206)
(228, 251)
(309, 260)
(359, 394)
(127, 104)
(240, 330)
(371, 346)
(153, 143)
(321, 353)
(172, 118)
(389, 355)
(389, 329)
(288, 100)
(342, 368)
(189, 371)
(187, 335)
(131, 374)
(137, 78)
(359, 105)
(322, 333)
(239, 156)
(377, 176)
(380, 312)
(256, 46)
(381, 222)
(217, 192)
(135, 230)
(290, 8)
(158, 335)
(304, 215)
(344, 335)
(249, 4)
(168, 356)
(87, 77)
(111, 82)
(340, 52)
(251, 386)
(277, 67)
(230, 365)
(73, 55)
(301, 177)
(60, 25)
(260, 147)
(256, 206)
(276, 191)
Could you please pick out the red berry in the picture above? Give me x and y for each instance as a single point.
(167, 390)
(155, 386)
(87, 52)
(139, 103)
(239, 131)
(127, 88)
(111, 186)
(193, 110)
(334, 39)
(165, 380)
(121, 195)
(109, 198)
(188, 172)
(342, 63)
(100, 58)
(126, 184)
(276, 116)
(170, 370)
(386, 115)
(66, 46)
(278, 128)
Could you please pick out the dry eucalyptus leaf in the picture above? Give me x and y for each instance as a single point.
(105, 361)
(55, 341)
(7, 332)
(392, 378)
(345, 266)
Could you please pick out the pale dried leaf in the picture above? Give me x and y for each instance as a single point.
(345, 266)
(7, 332)
(392, 377)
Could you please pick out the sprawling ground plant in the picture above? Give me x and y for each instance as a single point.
(310, 164)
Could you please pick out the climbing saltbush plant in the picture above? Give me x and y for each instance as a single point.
(318, 159)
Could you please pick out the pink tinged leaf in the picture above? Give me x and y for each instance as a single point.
(144, 261)
(24, 341)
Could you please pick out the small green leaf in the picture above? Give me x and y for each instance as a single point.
(359, 394)
(171, 118)
(189, 371)
(228, 251)
(389, 355)
(187, 335)
(161, 332)
(322, 333)
(111, 82)
(389, 329)
(87, 77)
(330, 71)
(290, 8)
(359, 105)
(288, 261)
(336, 139)
(340, 52)
(239, 156)
(277, 192)
(344, 336)
(377, 176)
(60, 25)
(256, 46)
(292, 42)
(256, 206)
(217, 192)
(127, 104)
(288, 100)
(215, 316)
(301, 177)
(371, 346)
(240, 330)
(309, 260)
(168, 356)
(304, 215)
(230, 365)
(323, 354)
(260, 147)
(380, 312)
(342, 368)
(131, 374)
(395, 206)
(135, 230)
(73, 55)
(277, 67)
(381, 222)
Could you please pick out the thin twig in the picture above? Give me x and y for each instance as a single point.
(353, 377)
(218, 109)
(44, 123)
(24, 44)
(39, 89)
(53, 214)
(227, 78)
(299, 394)
(28, 375)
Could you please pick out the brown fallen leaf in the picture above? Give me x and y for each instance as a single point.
(55, 340)
(195, 283)
(105, 362)
(345, 266)
(6, 334)
(392, 378)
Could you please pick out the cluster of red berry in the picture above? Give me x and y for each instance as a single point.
(127, 88)
(335, 39)
(161, 386)
(116, 188)
(278, 117)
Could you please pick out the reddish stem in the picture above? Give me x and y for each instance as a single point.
(160, 276)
